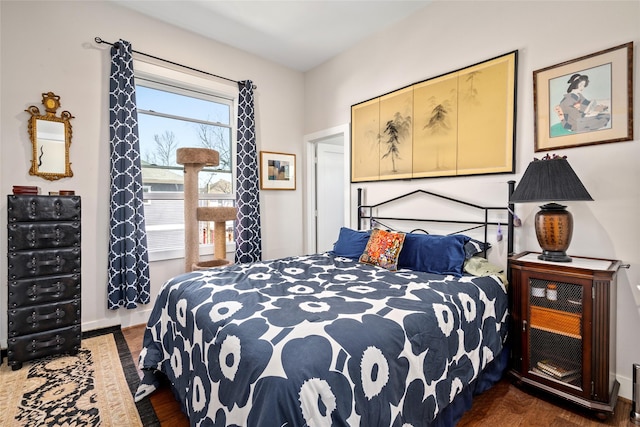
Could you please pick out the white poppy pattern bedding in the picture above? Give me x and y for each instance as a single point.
(320, 340)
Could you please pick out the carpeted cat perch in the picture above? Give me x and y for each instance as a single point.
(194, 159)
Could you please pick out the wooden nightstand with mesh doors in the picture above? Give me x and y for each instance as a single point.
(563, 337)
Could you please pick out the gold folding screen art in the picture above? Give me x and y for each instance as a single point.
(460, 123)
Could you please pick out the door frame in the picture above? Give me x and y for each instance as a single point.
(310, 141)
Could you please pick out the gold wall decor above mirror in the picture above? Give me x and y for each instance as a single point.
(50, 139)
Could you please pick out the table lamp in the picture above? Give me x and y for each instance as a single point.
(551, 179)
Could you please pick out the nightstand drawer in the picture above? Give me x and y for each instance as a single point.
(556, 321)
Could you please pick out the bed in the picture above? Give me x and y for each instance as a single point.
(334, 338)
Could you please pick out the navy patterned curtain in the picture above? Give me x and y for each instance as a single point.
(128, 256)
(248, 237)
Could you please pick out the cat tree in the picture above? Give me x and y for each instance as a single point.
(193, 160)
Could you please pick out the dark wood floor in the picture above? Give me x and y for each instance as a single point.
(164, 403)
(502, 405)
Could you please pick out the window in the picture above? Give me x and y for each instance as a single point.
(173, 114)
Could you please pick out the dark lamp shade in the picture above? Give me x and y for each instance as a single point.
(549, 180)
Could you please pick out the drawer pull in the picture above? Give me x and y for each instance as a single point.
(31, 237)
(35, 317)
(35, 290)
(55, 235)
(55, 342)
(34, 262)
(33, 208)
(51, 262)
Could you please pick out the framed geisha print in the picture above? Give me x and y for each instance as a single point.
(585, 101)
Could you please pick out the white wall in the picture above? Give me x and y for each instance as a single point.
(449, 35)
(48, 46)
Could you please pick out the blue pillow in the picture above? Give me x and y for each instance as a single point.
(474, 247)
(434, 254)
(351, 243)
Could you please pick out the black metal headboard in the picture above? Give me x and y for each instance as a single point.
(366, 212)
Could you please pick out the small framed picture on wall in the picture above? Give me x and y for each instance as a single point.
(277, 171)
(585, 101)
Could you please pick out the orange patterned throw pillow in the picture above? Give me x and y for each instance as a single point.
(383, 249)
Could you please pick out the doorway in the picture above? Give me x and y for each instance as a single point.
(328, 201)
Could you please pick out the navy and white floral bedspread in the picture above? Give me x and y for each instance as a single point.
(321, 340)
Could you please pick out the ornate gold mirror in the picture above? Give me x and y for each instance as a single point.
(51, 139)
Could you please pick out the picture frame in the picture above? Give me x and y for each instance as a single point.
(584, 101)
(456, 124)
(277, 171)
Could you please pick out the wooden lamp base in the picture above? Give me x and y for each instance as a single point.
(554, 229)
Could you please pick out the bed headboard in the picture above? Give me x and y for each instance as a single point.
(366, 212)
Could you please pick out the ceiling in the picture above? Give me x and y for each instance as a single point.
(298, 34)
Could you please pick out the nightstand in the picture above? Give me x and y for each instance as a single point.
(563, 334)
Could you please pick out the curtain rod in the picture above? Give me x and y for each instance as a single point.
(100, 41)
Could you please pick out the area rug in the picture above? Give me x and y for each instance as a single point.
(92, 388)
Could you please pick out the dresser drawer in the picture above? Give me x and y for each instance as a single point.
(38, 318)
(38, 235)
(43, 262)
(43, 208)
(41, 290)
(42, 344)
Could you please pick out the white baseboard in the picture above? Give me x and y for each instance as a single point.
(137, 317)
(626, 387)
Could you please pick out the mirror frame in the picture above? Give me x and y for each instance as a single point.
(51, 104)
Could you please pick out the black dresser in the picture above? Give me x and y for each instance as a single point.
(44, 276)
